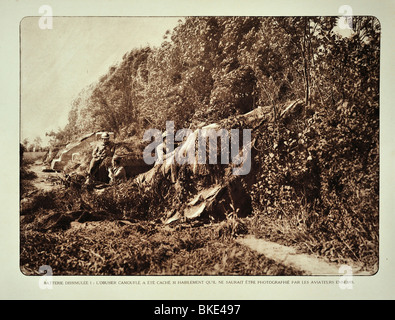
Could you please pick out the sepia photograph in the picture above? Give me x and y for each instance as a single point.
(199, 145)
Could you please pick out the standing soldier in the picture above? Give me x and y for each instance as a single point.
(104, 150)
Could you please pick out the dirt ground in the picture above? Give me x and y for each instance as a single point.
(310, 264)
(45, 181)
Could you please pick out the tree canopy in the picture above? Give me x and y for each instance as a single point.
(209, 68)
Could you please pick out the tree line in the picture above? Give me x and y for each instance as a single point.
(209, 68)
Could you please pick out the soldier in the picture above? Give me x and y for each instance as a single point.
(105, 149)
(117, 172)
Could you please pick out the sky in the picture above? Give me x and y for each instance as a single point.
(56, 64)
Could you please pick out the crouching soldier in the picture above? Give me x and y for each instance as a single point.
(117, 172)
(100, 155)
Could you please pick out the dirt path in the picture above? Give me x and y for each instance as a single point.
(311, 265)
(45, 181)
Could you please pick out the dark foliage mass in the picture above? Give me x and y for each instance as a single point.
(316, 175)
(209, 68)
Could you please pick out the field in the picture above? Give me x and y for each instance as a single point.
(33, 156)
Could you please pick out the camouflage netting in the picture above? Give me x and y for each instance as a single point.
(212, 191)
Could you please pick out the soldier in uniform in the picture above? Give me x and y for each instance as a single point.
(117, 172)
(104, 150)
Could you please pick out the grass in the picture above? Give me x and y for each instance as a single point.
(134, 241)
(337, 243)
(137, 246)
(33, 156)
(142, 248)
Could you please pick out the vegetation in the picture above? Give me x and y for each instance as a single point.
(315, 175)
(209, 68)
(114, 248)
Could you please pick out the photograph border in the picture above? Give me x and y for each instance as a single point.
(18, 285)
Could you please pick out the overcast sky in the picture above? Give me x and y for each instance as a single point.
(57, 63)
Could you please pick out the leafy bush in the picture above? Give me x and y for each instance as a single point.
(320, 177)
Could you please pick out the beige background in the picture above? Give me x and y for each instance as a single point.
(14, 285)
